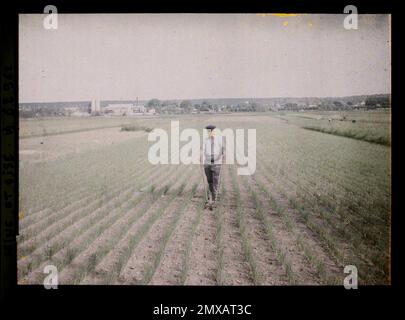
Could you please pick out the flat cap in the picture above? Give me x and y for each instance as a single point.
(210, 127)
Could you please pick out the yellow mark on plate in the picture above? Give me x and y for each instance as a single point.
(285, 15)
(281, 15)
(21, 215)
(310, 24)
(23, 258)
(285, 23)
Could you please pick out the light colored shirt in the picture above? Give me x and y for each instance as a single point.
(213, 149)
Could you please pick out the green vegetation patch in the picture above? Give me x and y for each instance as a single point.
(359, 135)
(135, 127)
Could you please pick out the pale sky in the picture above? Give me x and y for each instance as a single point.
(186, 56)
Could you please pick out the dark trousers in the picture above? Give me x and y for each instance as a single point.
(212, 172)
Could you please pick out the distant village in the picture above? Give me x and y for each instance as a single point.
(154, 107)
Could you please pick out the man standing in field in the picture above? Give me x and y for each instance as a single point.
(213, 152)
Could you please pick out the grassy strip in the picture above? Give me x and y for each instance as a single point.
(241, 222)
(191, 233)
(219, 235)
(350, 134)
(135, 127)
(280, 253)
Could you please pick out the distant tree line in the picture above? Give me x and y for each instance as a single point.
(186, 106)
(29, 110)
(378, 101)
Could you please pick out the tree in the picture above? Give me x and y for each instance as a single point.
(376, 101)
(261, 108)
(337, 104)
(186, 105)
(154, 103)
(204, 106)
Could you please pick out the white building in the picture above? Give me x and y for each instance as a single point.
(95, 106)
(138, 109)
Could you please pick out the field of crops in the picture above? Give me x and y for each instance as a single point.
(92, 205)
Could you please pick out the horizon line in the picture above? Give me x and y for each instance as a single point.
(185, 99)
